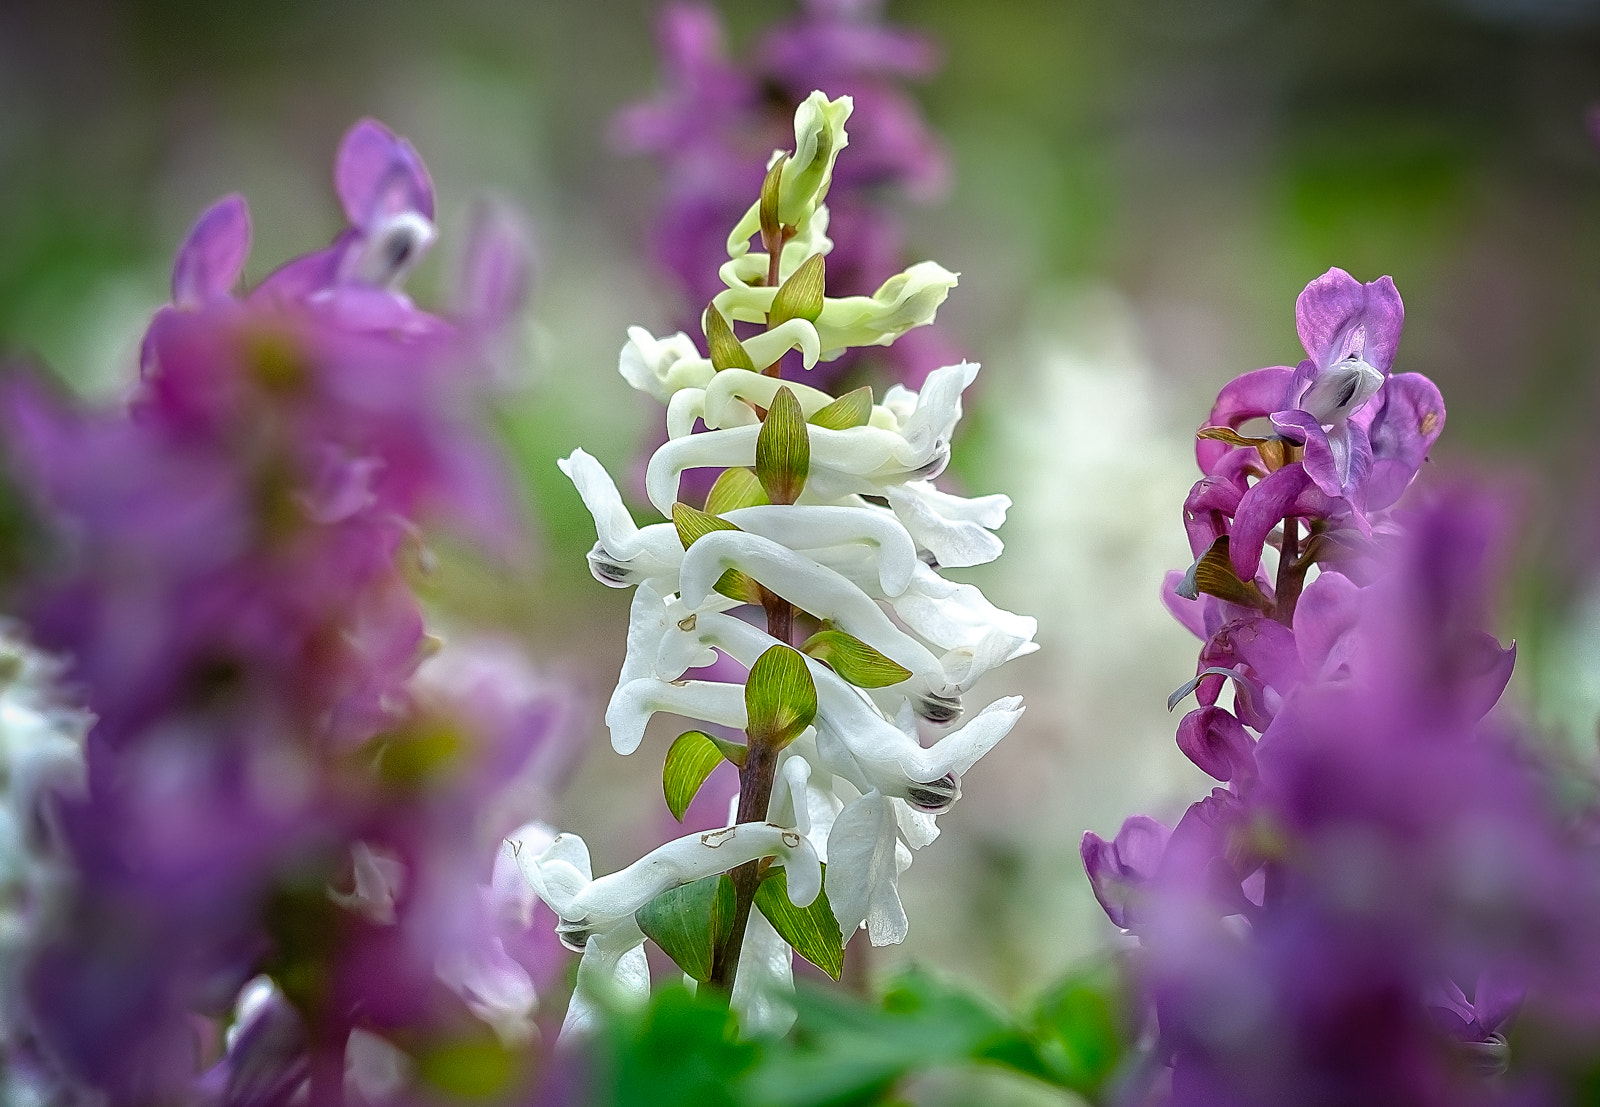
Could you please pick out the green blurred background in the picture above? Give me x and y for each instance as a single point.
(1140, 190)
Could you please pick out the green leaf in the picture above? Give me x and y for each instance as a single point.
(681, 1051)
(693, 525)
(854, 660)
(738, 586)
(783, 449)
(779, 697)
(767, 209)
(727, 352)
(853, 409)
(734, 489)
(801, 295)
(1213, 574)
(812, 931)
(1081, 1028)
(689, 922)
(690, 760)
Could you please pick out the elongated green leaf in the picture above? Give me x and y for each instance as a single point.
(779, 697)
(727, 352)
(693, 524)
(690, 760)
(1213, 574)
(783, 449)
(853, 409)
(690, 921)
(734, 489)
(854, 660)
(812, 931)
(738, 586)
(801, 295)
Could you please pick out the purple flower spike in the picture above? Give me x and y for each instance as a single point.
(1120, 868)
(1338, 317)
(212, 258)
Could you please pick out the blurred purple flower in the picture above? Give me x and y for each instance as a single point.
(268, 792)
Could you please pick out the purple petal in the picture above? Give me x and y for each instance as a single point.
(1327, 614)
(1409, 416)
(1252, 395)
(1338, 316)
(1217, 742)
(496, 269)
(1287, 493)
(1191, 613)
(1118, 869)
(1211, 503)
(1338, 460)
(211, 259)
(379, 174)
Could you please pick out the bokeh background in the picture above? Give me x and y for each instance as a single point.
(1140, 188)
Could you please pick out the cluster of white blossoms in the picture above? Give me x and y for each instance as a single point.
(41, 764)
(827, 520)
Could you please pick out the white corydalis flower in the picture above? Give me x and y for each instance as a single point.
(855, 543)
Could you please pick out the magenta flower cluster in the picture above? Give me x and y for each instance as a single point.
(278, 834)
(1377, 886)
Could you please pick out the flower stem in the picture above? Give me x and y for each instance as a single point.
(327, 1072)
(1291, 575)
(755, 796)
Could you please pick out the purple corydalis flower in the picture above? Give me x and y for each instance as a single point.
(229, 587)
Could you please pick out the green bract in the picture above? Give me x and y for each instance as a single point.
(780, 699)
(689, 922)
(812, 930)
(854, 660)
(783, 450)
(690, 760)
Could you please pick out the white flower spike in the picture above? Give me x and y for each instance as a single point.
(834, 524)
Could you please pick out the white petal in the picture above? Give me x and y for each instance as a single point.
(633, 703)
(813, 527)
(956, 531)
(765, 980)
(863, 874)
(804, 583)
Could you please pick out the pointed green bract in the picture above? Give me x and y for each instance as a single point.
(812, 931)
(690, 921)
(853, 409)
(693, 524)
(734, 489)
(780, 699)
(801, 296)
(690, 760)
(854, 660)
(767, 208)
(727, 352)
(738, 586)
(783, 449)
